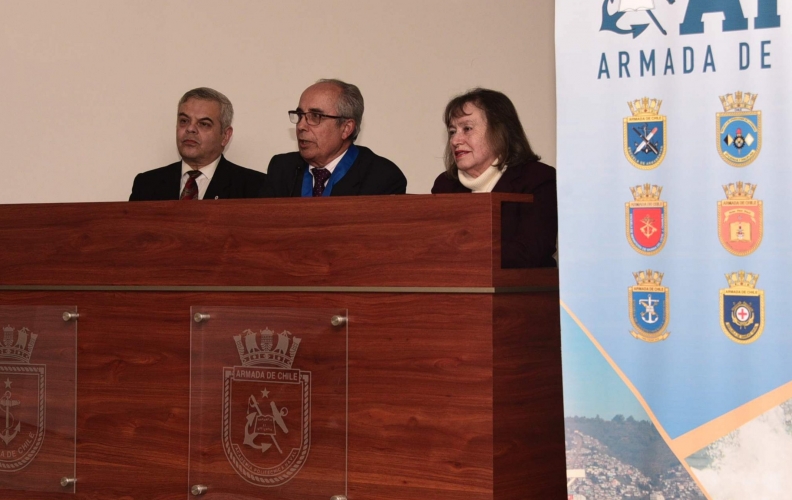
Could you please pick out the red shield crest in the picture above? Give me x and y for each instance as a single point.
(646, 220)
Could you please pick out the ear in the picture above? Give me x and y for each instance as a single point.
(227, 136)
(347, 129)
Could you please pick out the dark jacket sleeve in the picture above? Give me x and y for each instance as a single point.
(283, 174)
(530, 231)
(136, 188)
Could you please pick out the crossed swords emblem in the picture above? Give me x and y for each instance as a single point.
(646, 145)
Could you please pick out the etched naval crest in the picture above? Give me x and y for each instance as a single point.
(646, 219)
(22, 400)
(739, 137)
(740, 219)
(645, 134)
(266, 409)
(649, 306)
(742, 308)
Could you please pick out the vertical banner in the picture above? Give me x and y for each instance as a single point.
(675, 205)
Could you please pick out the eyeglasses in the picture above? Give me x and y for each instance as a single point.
(311, 117)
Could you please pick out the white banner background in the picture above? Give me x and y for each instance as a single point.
(721, 406)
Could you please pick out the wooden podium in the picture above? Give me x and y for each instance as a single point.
(454, 364)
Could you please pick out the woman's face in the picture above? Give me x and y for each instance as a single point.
(467, 137)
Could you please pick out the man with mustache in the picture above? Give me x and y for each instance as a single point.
(327, 161)
(203, 129)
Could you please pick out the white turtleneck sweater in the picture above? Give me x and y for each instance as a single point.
(485, 182)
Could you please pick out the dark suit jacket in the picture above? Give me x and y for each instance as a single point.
(228, 181)
(370, 174)
(529, 231)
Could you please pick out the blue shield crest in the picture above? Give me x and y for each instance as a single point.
(739, 137)
(649, 307)
(742, 316)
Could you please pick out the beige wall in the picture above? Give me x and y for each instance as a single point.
(89, 87)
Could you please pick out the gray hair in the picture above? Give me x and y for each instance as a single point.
(350, 103)
(207, 94)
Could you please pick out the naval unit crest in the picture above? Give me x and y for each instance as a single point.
(742, 308)
(22, 400)
(266, 409)
(740, 219)
(739, 137)
(649, 306)
(646, 219)
(645, 136)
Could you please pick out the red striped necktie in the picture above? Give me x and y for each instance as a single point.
(190, 191)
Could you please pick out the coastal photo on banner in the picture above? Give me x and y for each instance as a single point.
(675, 203)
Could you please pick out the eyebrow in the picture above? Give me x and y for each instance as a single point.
(199, 119)
(462, 121)
(311, 110)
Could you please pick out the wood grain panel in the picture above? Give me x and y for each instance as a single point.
(529, 456)
(422, 407)
(421, 240)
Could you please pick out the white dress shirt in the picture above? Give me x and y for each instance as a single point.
(202, 180)
(330, 166)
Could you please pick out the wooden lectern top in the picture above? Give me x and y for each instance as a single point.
(435, 241)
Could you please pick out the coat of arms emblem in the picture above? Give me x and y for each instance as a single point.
(22, 400)
(645, 136)
(646, 219)
(740, 219)
(739, 137)
(649, 306)
(266, 409)
(742, 308)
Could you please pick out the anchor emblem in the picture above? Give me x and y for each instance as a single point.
(610, 21)
(259, 424)
(7, 403)
(649, 315)
(649, 305)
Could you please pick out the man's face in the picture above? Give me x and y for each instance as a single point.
(199, 136)
(321, 144)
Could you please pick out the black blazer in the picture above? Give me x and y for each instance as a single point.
(228, 181)
(529, 231)
(370, 174)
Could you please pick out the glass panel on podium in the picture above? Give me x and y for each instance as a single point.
(268, 399)
(38, 374)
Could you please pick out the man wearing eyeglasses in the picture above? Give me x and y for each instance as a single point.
(328, 162)
(203, 129)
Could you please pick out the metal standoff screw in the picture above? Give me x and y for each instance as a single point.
(338, 321)
(198, 317)
(198, 490)
(70, 316)
(67, 481)
(338, 497)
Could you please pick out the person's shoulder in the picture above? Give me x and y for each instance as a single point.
(155, 184)
(537, 168)
(444, 184)
(159, 172)
(376, 174)
(285, 161)
(367, 156)
(533, 173)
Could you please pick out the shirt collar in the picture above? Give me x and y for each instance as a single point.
(333, 164)
(207, 170)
